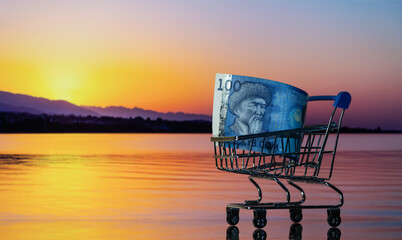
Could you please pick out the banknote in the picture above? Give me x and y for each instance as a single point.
(247, 105)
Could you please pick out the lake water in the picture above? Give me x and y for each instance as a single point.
(166, 186)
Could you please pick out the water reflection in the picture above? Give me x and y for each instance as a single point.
(123, 187)
(259, 234)
(232, 233)
(295, 233)
(12, 159)
(334, 234)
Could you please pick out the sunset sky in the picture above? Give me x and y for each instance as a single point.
(163, 55)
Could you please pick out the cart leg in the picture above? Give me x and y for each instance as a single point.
(284, 189)
(336, 190)
(259, 192)
(334, 217)
(232, 215)
(260, 218)
(301, 191)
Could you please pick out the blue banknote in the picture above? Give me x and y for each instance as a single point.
(247, 105)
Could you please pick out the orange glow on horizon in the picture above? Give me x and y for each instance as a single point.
(146, 83)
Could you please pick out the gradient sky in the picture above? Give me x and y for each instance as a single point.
(163, 55)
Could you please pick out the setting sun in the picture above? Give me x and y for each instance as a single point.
(64, 84)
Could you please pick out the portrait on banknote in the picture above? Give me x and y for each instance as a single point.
(249, 105)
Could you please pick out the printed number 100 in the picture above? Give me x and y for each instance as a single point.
(229, 85)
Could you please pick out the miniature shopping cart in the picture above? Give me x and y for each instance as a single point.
(305, 155)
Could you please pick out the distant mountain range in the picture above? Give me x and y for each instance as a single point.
(10, 102)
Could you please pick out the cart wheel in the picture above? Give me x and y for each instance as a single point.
(296, 214)
(259, 234)
(260, 220)
(232, 215)
(295, 232)
(334, 234)
(334, 217)
(232, 233)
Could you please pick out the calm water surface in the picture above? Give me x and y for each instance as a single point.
(165, 186)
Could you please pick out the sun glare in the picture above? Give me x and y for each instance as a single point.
(65, 84)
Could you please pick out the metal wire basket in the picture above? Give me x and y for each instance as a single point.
(297, 155)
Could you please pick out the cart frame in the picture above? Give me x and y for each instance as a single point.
(300, 159)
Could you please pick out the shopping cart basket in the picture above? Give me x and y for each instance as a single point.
(305, 155)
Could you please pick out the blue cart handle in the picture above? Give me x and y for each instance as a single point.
(342, 100)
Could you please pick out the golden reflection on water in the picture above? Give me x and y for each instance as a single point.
(86, 144)
(99, 196)
(50, 187)
(124, 186)
(89, 187)
(69, 230)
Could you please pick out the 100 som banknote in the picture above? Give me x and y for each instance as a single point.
(247, 105)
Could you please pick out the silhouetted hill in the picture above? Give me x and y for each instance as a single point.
(29, 104)
(139, 112)
(10, 108)
(20, 103)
